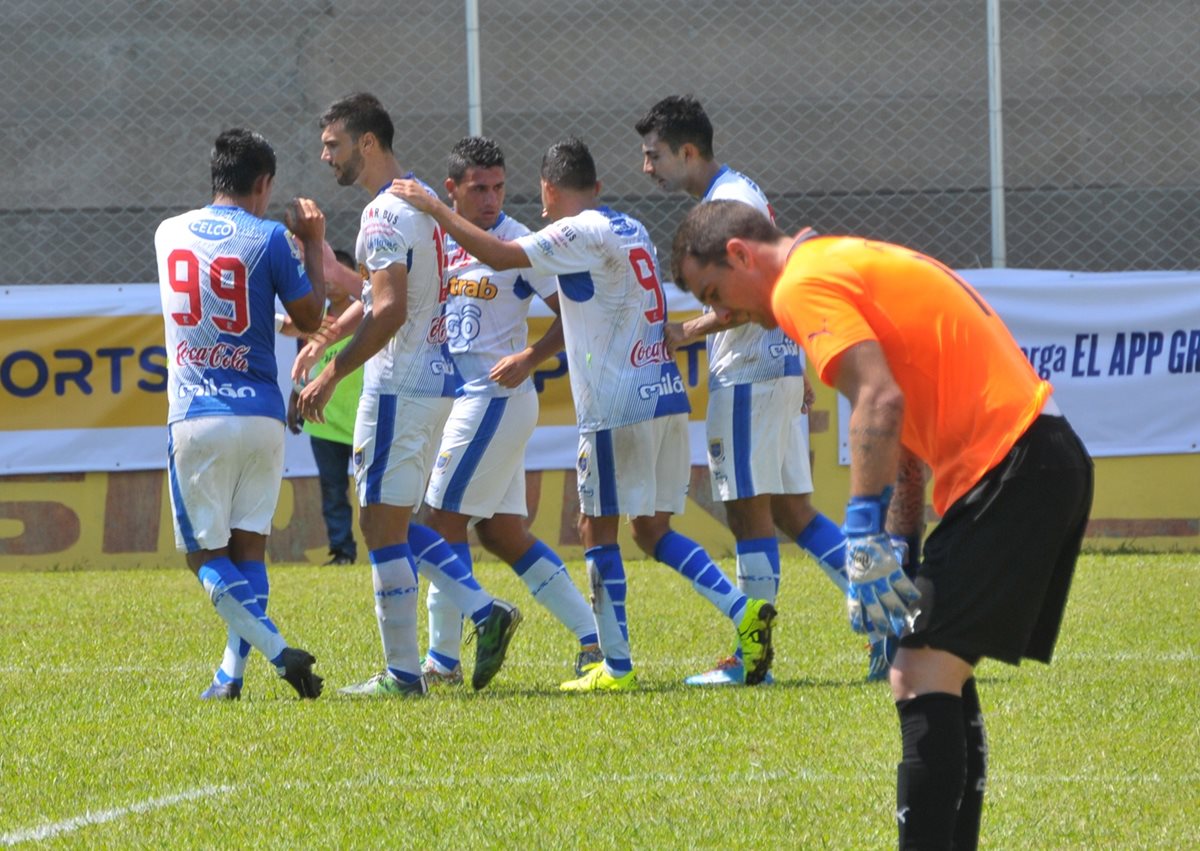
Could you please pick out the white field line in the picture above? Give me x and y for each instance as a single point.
(46, 831)
(644, 779)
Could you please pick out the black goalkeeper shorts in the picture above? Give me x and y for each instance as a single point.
(997, 569)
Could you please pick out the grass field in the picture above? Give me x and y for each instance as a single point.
(104, 743)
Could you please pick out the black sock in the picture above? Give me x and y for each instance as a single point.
(929, 779)
(966, 829)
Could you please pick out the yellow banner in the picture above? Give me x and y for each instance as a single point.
(111, 372)
(82, 372)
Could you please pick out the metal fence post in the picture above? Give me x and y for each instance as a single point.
(996, 134)
(474, 82)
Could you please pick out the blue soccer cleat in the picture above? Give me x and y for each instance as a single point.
(222, 691)
(728, 672)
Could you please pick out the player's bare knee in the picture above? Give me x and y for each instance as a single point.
(648, 531)
(792, 513)
(749, 519)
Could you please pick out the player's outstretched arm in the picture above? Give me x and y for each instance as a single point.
(389, 310)
(332, 330)
(495, 252)
(338, 277)
(510, 371)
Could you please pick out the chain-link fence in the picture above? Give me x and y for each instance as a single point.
(864, 117)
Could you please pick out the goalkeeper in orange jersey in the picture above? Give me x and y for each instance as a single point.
(931, 372)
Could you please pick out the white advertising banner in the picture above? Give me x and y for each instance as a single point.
(1122, 350)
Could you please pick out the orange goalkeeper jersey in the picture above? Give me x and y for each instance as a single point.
(969, 392)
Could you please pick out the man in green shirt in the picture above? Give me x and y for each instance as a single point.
(332, 441)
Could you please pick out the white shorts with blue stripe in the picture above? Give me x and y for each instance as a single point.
(758, 439)
(224, 474)
(395, 438)
(638, 469)
(480, 465)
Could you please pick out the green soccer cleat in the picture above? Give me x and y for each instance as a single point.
(586, 660)
(384, 684)
(754, 633)
(599, 679)
(491, 642)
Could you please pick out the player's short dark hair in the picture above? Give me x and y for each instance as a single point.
(473, 152)
(568, 164)
(240, 157)
(345, 258)
(708, 226)
(361, 113)
(679, 119)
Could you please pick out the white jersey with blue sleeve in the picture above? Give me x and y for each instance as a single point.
(486, 312)
(415, 361)
(613, 314)
(220, 269)
(749, 352)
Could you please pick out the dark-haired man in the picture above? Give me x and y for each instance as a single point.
(480, 469)
(757, 419)
(220, 269)
(399, 332)
(630, 400)
(932, 372)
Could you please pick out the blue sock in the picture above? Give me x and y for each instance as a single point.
(606, 572)
(233, 665)
(690, 560)
(824, 541)
(758, 568)
(437, 562)
(546, 577)
(394, 577)
(463, 551)
(236, 603)
(446, 662)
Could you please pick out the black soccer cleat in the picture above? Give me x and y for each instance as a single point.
(491, 641)
(297, 670)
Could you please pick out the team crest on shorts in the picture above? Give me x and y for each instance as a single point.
(581, 466)
(358, 456)
(442, 460)
(716, 450)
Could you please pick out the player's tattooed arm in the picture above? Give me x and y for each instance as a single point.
(906, 514)
(876, 415)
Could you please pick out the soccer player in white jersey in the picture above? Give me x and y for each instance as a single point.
(758, 458)
(220, 269)
(630, 401)
(399, 332)
(479, 474)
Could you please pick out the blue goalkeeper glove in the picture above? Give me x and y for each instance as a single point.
(881, 598)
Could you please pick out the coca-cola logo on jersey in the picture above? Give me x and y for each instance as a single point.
(644, 355)
(219, 356)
